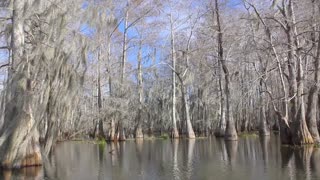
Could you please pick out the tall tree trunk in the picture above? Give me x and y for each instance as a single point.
(52, 129)
(99, 131)
(121, 132)
(190, 132)
(112, 128)
(139, 133)
(220, 129)
(311, 115)
(230, 133)
(263, 126)
(300, 132)
(174, 132)
(19, 143)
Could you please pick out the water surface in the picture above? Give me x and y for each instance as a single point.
(248, 159)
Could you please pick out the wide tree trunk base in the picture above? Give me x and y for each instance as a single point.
(139, 133)
(230, 133)
(122, 136)
(300, 133)
(191, 135)
(28, 156)
(20, 146)
(314, 132)
(111, 137)
(302, 137)
(174, 133)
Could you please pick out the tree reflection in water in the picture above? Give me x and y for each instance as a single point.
(247, 158)
(232, 147)
(28, 173)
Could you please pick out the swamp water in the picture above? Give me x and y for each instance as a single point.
(250, 158)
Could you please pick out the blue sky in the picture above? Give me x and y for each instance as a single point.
(132, 53)
(234, 3)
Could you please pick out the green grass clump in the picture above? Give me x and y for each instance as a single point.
(316, 145)
(201, 137)
(164, 136)
(101, 141)
(248, 135)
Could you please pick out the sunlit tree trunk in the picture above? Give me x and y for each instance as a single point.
(112, 127)
(183, 87)
(190, 132)
(174, 132)
(19, 143)
(139, 133)
(121, 132)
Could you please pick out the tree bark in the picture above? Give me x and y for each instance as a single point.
(19, 142)
(139, 133)
(112, 127)
(300, 131)
(264, 129)
(285, 129)
(221, 128)
(174, 132)
(99, 131)
(121, 132)
(230, 133)
(190, 132)
(311, 114)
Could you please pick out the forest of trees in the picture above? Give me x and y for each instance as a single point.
(113, 70)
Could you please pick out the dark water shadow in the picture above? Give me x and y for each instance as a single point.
(286, 155)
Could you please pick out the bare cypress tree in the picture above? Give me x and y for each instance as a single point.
(230, 132)
(174, 132)
(311, 114)
(139, 132)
